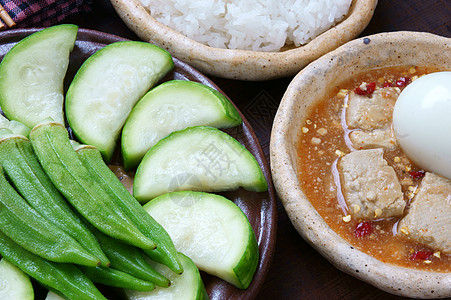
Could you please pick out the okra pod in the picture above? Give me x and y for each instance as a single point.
(23, 224)
(52, 146)
(116, 278)
(67, 279)
(129, 259)
(165, 253)
(24, 171)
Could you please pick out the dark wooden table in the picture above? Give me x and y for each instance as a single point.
(297, 270)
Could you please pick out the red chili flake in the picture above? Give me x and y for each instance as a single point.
(417, 174)
(368, 91)
(402, 82)
(421, 255)
(363, 229)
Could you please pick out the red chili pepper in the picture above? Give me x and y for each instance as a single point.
(417, 174)
(363, 229)
(402, 82)
(370, 87)
(421, 255)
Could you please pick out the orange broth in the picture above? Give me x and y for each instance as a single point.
(323, 142)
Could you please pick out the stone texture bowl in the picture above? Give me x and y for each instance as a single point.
(307, 88)
(243, 64)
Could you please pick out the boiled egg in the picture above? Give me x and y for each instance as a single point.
(422, 122)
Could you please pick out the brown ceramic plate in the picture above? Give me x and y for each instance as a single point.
(243, 64)
(260, 208)
(311, 85)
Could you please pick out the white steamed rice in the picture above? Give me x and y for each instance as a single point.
(258, 25)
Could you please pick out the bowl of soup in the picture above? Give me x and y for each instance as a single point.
(344, 173)
(247, 40)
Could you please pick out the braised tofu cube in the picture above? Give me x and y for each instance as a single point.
(370, 186)
(428, 219)
(377, 138)
(369, 113)
(370, 119)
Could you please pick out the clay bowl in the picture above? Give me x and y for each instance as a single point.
(242, 64)
(306, 89)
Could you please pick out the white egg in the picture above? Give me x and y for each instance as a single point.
(422, 122)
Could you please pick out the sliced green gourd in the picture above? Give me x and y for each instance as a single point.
(187, 286)
(198, 158)
(172, 106)
(53, 296)
(106, 88)
(14, 283)
(32, 75)
(14, 126)
(212, 230)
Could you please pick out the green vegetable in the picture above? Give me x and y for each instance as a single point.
(165, 253)
(24, 171)
(197, 158)
(65, 278)
(129, 259)
(187, 286)
(14, 283)
(14, 126)
(106, 88)
(52, 146)
(53, 296)
(116, 278)
(172, 106)
(32, 75)
(20, 222)
(212, 230)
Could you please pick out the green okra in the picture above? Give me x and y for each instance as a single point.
(52, 147)
(67, 279)
(24, 171)
(116, 278)
(165, 253)
(23, 224)
(129, 259)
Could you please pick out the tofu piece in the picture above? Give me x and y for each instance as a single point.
(369, 113)
(370, 186)
(428, 219)
(370, 119)
(378, 138)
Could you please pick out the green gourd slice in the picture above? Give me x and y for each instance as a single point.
(53, 296)
(14, 283)
(188, 285)
(16, 127)
(197, 158)
(107, 86)
(212, 230)
(32, 75)
(172, 106)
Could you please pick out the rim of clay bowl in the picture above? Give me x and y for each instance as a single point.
(375, 51)
(244, 64)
